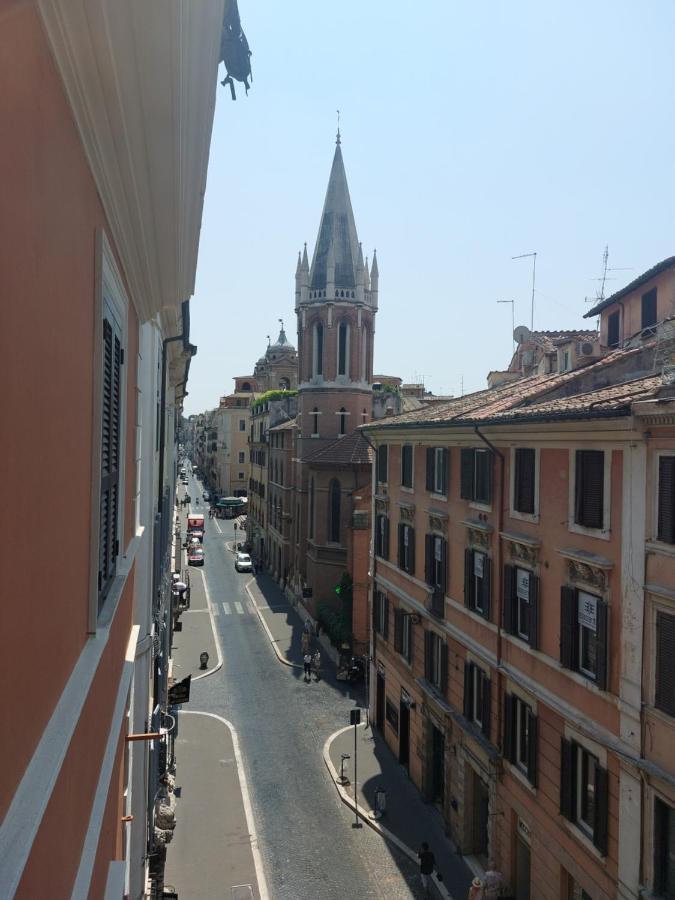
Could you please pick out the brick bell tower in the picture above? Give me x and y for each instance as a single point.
(335, 302)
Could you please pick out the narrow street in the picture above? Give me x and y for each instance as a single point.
(308, 846)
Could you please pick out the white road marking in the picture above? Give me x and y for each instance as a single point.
(226, 609)
(248, 809)
(215, 522)
(238, 607)
(219, 649)
(216, 611)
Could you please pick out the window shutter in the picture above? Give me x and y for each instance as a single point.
(376, 612)
(398, 625)
(532, 729)
(411, 551)
(110, 456)
(468, 691)
(509, 737)
(567, 779)
(467, 473)
(524, 480)
(411, 632)
(444, 668)
(489, 474)
(385, 624)
(601, 809)
(427, 655)
(486, 588)
(602, 659)
(509, 599)
(400, 545)
(533, 630)
(487, 708)
(445, 473)
(568, 618)
(430, 468)
(589, 488)
(444, 566)
(429, 558)
(660, 846)
(468, 578)
(665, 670)
(666, 523)
(385, 539)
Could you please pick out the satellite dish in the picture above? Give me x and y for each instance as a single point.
(521, 334)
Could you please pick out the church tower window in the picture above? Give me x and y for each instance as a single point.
(315, 420)
(318, 349)
(343, 339)
(343, 420)
(334, 511)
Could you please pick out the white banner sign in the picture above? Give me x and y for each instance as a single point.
(588, 610)
(478, 559)
(523, 584)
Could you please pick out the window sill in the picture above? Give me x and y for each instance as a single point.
(315, 435)
(660, 547)
(583, 839)
(436, 496)
(533, 518)
(407, 490)
(602, 534)
(515, 770)
(479, 505)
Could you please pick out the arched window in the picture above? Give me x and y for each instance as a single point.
(284, 384)
(343, 420)
(364, 415)
(246, 386)
(318, 349)
(343, 342)
(315, 420)
(334, 511)
(310, 512)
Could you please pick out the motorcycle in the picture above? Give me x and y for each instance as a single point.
(353, 671)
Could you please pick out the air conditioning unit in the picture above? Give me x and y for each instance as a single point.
(587, 348)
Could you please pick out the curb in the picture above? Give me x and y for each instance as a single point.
(216, 639)
(273, 641)
(362, 811)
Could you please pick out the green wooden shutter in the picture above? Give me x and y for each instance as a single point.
(509, 736)
(385, 539)
(446, 472)
(468, 578)
(429, 558)
(590, 488)
(532, 744)
(665, 663)
(487, 706)
(430, 468)
(601, 809)
(376, 612)
(567, 779)
(508, 612)
(444, 566)
(666, 512)
(467, 473)
(568, 632)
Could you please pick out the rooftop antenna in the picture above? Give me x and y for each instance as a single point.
(337, 136)
(533, 254)
(281, 322)
(600, 294)
(268, 340)
(513, 321)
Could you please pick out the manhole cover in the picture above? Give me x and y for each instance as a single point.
(242, 892)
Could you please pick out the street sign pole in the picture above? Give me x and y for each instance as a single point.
(355, 717)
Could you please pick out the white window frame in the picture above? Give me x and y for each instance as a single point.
(513, 512)
(381, 600)
(585, 827)
(523, 709)
(406, 633)
(603, 533)
(110, 295)
(478, 674)
(587, 673)
(437, 560)
(439, 455)
(436, 664)
(477, 605)
(519, 600)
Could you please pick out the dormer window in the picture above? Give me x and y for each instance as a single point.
(613, 322)
(648, 319)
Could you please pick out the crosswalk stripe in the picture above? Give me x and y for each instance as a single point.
(216, 611)
(226, 608)
(238, 607)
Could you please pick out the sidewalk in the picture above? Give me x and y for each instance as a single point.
(214, 852)
(408, 820)
(280, 619)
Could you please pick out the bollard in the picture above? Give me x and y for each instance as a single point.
(342, 778)
(203, 660)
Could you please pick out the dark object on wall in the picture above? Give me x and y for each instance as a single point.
(234, 50)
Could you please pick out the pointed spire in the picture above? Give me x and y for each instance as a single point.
(297, 268)
(374, 277)
(305, 260)
(359, 261)
(374, 271)
(337, 232)
(366, 276)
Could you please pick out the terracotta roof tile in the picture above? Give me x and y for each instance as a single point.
(352, 449)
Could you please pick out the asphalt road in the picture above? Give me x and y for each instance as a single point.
(309, 849)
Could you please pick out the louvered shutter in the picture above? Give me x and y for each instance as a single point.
(532, 744)
(376, 612)
(509, 736)
(385, 539)
(110, 457)
(567, 779)
(524, 480)
(509, 599)
(467, 473)
(400, 545)
(468, 578)
(601, 809)
(444, 566)
(665, 663)
(487, 707)
(666, 522)
(430, 468)
(661, 848)
(486, 586)
(568, 631)
(398, 626)
(489, 475)
(385, 628)
(429, 558)
(411, 551)
(444, 668)
(468, 691)
(602, 644)
(589, 488)
(427, 655)
(445, 472)
(533, 629)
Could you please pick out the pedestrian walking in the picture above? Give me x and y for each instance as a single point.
(476, 890)
(307, 659)
(316, 664)
(494, 882)
(427, 864)
(307, 627)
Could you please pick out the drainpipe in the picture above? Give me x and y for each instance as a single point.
(500, 568)
(373, 643)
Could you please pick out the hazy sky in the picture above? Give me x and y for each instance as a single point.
(470, 133)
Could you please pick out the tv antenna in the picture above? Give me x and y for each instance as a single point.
(603, 279)
(533, 254)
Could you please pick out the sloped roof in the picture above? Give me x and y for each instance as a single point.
(663, 266)
(337, 232)
(351, 450)
(549, 341)
(529, 398)
(285, 426)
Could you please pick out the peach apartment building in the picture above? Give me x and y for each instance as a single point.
(523, 617)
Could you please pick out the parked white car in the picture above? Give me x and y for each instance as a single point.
(243, 563)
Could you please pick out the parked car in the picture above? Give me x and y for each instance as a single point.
(243, 563)
(195, 556)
